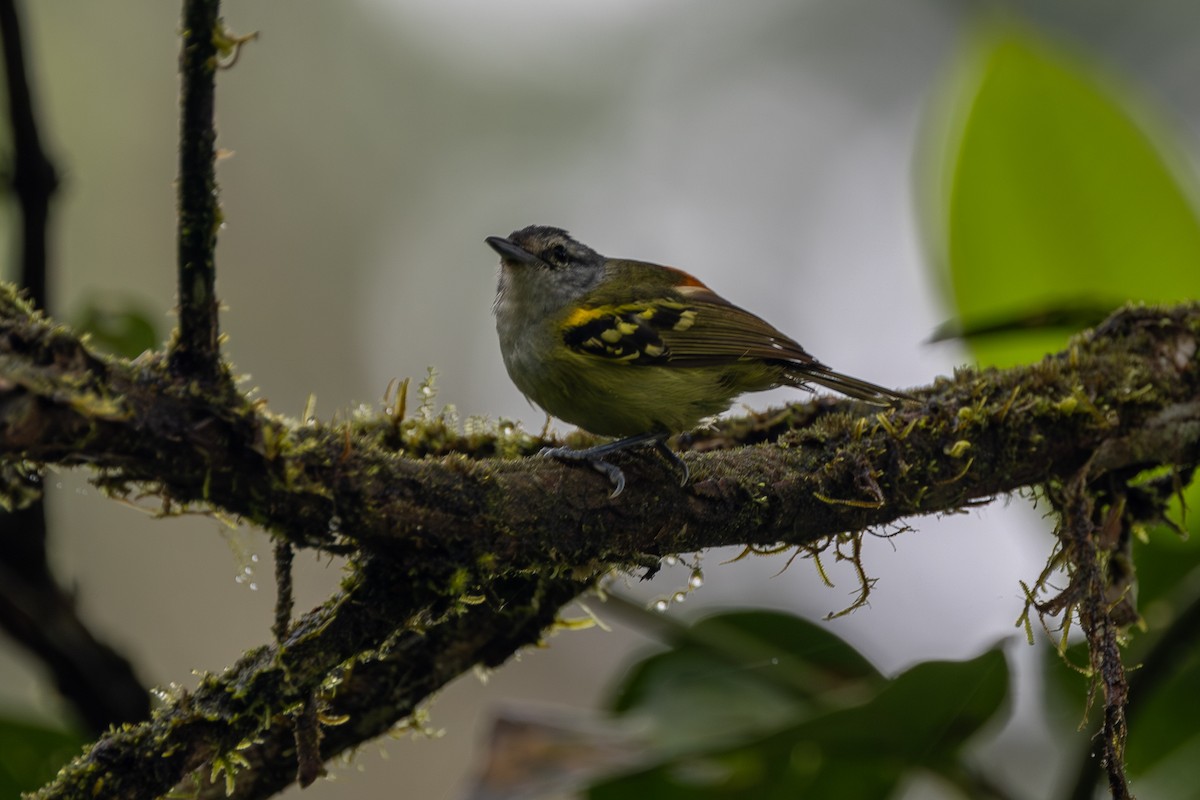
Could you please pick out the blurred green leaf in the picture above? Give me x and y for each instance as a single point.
(1062, 316)
(742, 671)
(1168, 563)
(814, 719)
(30, 755)
(1057, 200)
(1173, 774)
(923, 716)
(117, 327)
(1164, 720)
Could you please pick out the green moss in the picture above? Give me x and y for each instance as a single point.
(958, 449)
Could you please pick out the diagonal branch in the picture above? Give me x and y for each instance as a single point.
(369, 654)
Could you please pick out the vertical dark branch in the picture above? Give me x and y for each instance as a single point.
(34, 609)
(1085, 536)
(194, 351)
(33, 177)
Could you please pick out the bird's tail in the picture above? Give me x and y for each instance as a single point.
(800, 375)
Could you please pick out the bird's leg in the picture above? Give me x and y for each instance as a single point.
(660, 444)
(595, 457)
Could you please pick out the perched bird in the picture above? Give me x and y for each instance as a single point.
(635, 350)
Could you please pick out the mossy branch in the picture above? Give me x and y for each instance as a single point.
(366, 654)
(195, 350)
(463, 557)
(1124, 394)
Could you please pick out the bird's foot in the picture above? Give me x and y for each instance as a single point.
(596, 457)
(606, 468)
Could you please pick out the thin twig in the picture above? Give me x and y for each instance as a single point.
(283, 590)
(309, 764)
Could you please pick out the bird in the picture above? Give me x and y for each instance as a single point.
(633, 350)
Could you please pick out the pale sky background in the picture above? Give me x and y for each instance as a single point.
(769, 147)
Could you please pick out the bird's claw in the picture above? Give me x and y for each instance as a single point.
(606, 468)
(673, 457)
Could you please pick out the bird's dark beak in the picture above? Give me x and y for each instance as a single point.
(510, 252)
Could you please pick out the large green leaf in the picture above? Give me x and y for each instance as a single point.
(762, 705)
(923, 716)
(755, 665)
(1057, 205)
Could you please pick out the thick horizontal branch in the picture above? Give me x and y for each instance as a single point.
(1126, 394)
(464, 558)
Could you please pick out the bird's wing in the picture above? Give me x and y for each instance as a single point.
(725, 332)
(629, 332)
(674, 319)
(686, 325)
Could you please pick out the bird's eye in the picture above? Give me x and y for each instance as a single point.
(557, 254)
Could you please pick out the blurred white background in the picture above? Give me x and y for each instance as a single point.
(769, 147)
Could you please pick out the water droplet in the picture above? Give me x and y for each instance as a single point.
(661, 604)
(253, 587)
(679, 597)
(670, 561)
(335, 523)
(254, 557)
(697, 579)
(310, 421)
(58, 485)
